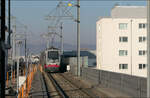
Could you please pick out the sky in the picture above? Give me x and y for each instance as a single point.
(32, 14)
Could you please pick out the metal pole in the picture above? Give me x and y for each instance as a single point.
(30, 62)
(61, 39)
(13, 46)
(7, 46)
(78, 37)
(27, 68)
(18, 70)
(2, 49)
(148, 48)
(27, 62)
(19, 44)
(6, 62)
(9, 25)
(47, 43)
(26, 51)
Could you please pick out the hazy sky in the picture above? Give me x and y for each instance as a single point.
(32, 14)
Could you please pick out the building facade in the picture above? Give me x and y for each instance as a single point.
(121, 41)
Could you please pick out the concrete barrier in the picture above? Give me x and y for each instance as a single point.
(130, 85)
(72, 61)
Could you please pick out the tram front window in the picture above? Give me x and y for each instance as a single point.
(53, 55)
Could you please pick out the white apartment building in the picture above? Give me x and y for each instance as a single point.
(121, 41)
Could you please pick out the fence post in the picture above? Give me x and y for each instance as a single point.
(7, 80)
(107, 74)
(12, 76)
(121, 81)
(99, 74)
(24, 71)
(140, 90)
(22, 91)
(109, 80)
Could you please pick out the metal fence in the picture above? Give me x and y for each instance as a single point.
(130, 85)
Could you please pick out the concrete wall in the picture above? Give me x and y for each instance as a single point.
(72, 61)
(131, 85)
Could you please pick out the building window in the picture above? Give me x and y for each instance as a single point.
(142, 39)
(142, 66)
(123, 26)
(123, 66)
(123, 52)
(142, 52)
(142, 25)
(123, 39)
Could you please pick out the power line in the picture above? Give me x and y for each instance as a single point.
(81, 0)
(17, 21)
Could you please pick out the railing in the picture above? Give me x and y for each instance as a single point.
(25, 87)
(12, 78)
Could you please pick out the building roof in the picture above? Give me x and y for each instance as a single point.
(129, 12)
(101, 17)
(82, 53)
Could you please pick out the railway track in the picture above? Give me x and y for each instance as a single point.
(70, 89)
(60, 85)
(51, 89)
(77, 84)
(66, 88)
(57, 86)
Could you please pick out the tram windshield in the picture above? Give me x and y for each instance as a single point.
(53, 55)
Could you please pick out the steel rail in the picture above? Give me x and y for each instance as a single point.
(44, 82)
(57, 86)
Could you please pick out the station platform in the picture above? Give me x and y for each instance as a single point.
(38, 89)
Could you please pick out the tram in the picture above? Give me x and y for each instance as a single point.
(50, 59)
